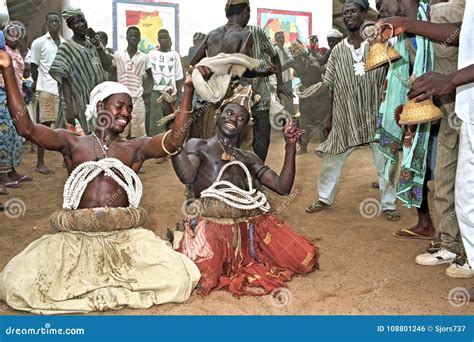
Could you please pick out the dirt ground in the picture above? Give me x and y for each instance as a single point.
(364, 270)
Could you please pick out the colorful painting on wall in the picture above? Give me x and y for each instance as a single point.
(149, 17)
(296, 25)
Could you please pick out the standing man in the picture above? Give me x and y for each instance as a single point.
(43, 53)
(313, 98)
(168, 78)
(263, 50)
(80, 64)
(286, 60)
(132, 65)
(356, 101)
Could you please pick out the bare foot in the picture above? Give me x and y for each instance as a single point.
(423, 229)
(44, 170)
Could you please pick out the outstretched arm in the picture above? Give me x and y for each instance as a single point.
(41, 135)
(156, 147)
(433, 83)
(443, 33)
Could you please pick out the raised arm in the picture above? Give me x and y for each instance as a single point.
(444, 33)
(186, 164)
(41, 135)
(282, 183)
(172, 141)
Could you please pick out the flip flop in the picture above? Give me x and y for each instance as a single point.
(317, 206)
(24, 178)
(391, 215)
(3, 191)
(412, 235)
(14, 185)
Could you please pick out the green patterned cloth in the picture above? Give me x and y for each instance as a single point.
(390, 135)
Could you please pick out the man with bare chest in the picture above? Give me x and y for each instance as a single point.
(234, 236)
(101, 258)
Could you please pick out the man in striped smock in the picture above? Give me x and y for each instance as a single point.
(80, 64)
(356, 100)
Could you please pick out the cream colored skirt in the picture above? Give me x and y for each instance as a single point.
(77, 272)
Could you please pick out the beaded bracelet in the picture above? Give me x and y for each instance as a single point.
(165, 149)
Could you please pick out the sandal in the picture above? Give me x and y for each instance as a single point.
(391, 215)
(409, 234)
(316, 206)
(3, 191)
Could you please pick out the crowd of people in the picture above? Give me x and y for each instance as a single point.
(210, 113)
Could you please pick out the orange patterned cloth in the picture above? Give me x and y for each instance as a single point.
(250, 256)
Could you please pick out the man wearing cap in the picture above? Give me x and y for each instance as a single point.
(334, 37)
(239, 245)
(43, 52)
(80, 64)
(314, 49)
(356, 101)
(198, 39)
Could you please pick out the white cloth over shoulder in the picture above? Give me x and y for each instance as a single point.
(224, 67)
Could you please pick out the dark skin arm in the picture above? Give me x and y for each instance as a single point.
(47, 138)
(433, 83)
(443, 33)
(34, 74)
(186, 165)
(67, 91)
(152, 148)
(105, 59)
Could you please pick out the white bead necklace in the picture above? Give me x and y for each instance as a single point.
(235, 196)
(84, 173)
(104, 147)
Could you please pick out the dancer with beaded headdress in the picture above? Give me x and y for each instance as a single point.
(101, 258)
(234, 239)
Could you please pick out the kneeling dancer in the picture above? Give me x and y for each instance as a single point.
(101, 258)
(234, 240)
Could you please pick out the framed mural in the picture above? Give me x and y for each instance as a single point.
(149, 17)
(296, 25)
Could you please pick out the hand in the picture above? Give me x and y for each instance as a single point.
(385, 30)
(70, 119)
(269, 71)
(431, 83)
(292, 132)
(5, 59)
(327, 128)
(93, 38)
(205, 72)
(282, 90)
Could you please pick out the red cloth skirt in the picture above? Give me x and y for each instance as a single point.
(248, 257)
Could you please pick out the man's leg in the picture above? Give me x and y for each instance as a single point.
(329, 176)
(465, 201)
(137, 125)
(155, 114)
(48, 108)
(261, 133)
(387, 190)
(444, 181)
(306, 110)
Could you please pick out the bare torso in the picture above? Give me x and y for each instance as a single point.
(208, 154)
(103, 191)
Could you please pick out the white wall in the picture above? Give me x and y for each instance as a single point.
(206, 15)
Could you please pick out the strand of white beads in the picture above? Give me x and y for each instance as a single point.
(84, 173)
(235, 196)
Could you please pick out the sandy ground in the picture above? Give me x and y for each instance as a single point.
(364, 270)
